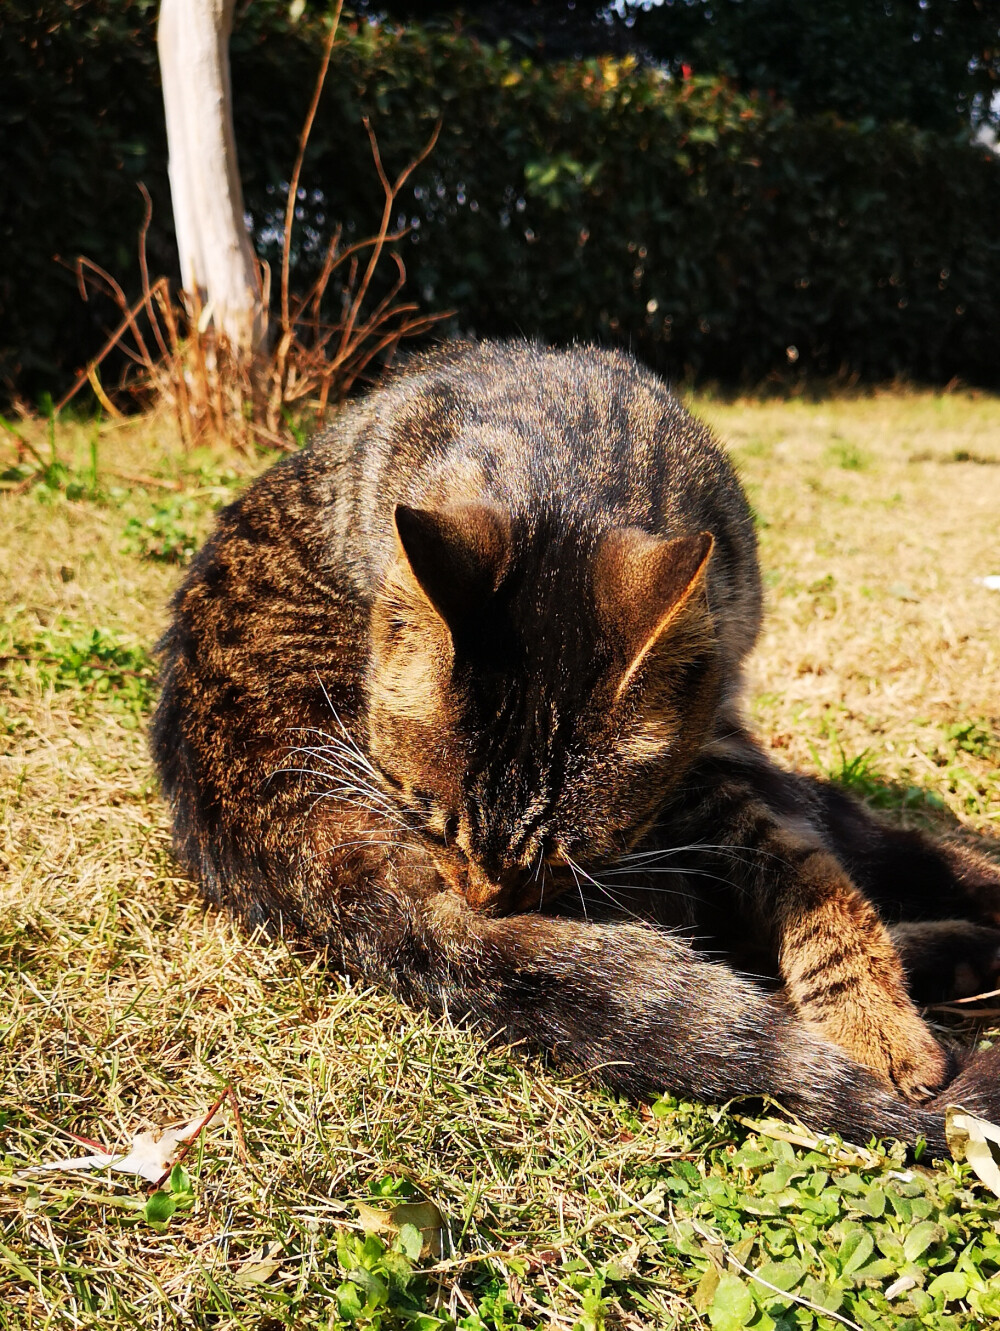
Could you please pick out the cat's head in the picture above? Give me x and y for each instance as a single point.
(535, 689)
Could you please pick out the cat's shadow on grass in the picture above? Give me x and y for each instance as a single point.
(907, 807)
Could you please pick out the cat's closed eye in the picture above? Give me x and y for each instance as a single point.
(439, 827)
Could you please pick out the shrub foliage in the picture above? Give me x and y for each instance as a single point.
(717, 232)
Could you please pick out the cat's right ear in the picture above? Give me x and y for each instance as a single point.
(456, 554)
(643, 587)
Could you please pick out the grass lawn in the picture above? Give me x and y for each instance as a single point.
(124, 1004)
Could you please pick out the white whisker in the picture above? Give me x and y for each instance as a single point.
(350, 845)
(583, 904)
(744, 853)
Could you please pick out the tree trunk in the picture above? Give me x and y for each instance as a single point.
(216, 256)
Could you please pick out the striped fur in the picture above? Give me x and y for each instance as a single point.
(453, 694)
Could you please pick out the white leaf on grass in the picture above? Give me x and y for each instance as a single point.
(902, 1285)
(151, 1154)
(977, 1141)
(991, 582)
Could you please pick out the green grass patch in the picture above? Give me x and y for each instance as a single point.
(176, 525)
(861, 776)
(94, 664)
(170, 534)
(846, 455)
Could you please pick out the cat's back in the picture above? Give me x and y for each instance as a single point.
(584, 435)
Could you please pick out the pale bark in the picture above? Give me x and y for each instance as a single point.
(216, 256)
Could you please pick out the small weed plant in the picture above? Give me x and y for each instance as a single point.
(170, 534)
(95, 666)
(46, 473)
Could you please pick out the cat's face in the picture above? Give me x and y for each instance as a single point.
(534, 695)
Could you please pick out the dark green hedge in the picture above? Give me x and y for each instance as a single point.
(708, 230)
(932, 63)
(80, 123)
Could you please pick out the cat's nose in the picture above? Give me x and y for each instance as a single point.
(485, 891)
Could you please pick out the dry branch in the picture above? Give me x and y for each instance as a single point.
(186, 363)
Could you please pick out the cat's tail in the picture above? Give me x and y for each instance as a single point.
(643, 1012)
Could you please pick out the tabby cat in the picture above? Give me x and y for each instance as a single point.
(453, 694)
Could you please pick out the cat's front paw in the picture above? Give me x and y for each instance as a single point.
(911, 1058)
(894, 1044)
(916, 1065)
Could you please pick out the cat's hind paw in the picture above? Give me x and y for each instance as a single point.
(948, 959)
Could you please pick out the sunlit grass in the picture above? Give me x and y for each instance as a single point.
(125, 1003)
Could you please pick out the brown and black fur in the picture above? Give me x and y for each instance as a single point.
(453, 694)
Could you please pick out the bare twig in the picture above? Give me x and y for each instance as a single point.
(136, 479)
(227, 1093)
(293, 184)
(124, 327)
(185, 361)
(391, 192)
(972, 998)
(147, 290)
(957, 1011)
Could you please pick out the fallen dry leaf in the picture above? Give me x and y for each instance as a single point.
(977, 1141)
(424, 1216)
(151, 1154)
(260, 1265)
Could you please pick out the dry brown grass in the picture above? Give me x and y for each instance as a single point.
(344, 329)
(879, 514)
(124, 1003)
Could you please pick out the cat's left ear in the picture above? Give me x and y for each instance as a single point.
(457, 555)
(643, 585)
